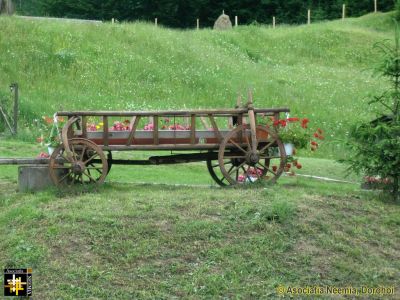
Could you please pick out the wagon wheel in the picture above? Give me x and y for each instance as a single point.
(109, 161)
(266, 162)
(215, 170)
(86, 164)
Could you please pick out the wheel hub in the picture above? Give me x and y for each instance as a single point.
(78, 168)
(252, 158)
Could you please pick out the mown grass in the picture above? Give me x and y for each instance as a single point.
(129, 241)
(322, 71)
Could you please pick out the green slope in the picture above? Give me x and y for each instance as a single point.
(322, 71)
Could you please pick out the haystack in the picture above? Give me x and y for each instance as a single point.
(223, 22)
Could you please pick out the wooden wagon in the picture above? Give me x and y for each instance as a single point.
(236, 145)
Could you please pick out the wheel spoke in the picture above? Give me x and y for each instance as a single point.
(91, 158)
(269, 157)
(83, 152)
(65, 176)
(90, 177)
(237, 145)
(229, 172)
(73, 152)
(245, 172)
(238, 167)
(98, 169)
(247, 141)
(267, 146)
(61, 167)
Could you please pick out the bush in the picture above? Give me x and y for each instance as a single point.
(375, 145)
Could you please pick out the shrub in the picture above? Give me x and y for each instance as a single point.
(375, 145)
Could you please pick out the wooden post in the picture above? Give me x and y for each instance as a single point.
(198, 24)
(105, 130)
(155, 22)
(309, 17)
(155, 130)
(14, 88)
(236, 21)
(344, 11)
(273, 22)
(193, 129)
(375, 5)
(112, 21)
(84, 126)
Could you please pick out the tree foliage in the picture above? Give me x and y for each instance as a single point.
(375, 145)
(183, 14)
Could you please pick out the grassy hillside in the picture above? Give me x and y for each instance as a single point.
(321, 71)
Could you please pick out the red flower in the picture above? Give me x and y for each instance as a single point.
(320, 131)
(283, 123)
(293, 119)
(274, 168)
(316, 135)
(276, 122)
(314, 143)
(321, 137)
(39, 140)
(48, 120)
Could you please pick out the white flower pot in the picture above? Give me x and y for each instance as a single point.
(289, 149)
(50, 149)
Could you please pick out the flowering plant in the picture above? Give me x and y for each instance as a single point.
(296, 131)
(52, 138)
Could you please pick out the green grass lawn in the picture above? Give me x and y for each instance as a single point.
(133, 239)
(127, 241)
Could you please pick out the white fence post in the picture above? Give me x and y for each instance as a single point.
(197, 24)
(236, 21)
(273, 22)
(309, 17)
(344, 11)
(156, 22)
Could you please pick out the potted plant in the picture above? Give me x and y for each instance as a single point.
(52, 139)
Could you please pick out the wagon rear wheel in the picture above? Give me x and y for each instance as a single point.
(266, 161)
(87, 164)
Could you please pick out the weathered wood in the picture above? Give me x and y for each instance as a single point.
(16, 106)
(66, 133)
(155, 130)
(188, 113)
(6, 120)
(204, 122)
(162, 147)
(215, 127)
(133, 129)
(252, 120)
(24, 161)
(105, 130)
(193, 129)
(84, 126)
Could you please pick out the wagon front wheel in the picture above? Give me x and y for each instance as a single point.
(265, 162)
(86, 164)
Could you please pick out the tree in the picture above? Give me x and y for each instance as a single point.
(375, 145)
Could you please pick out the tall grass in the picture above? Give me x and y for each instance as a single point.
(321, 71)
